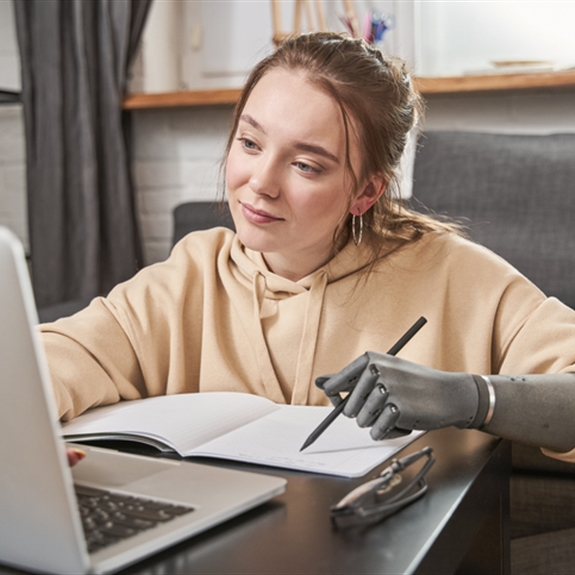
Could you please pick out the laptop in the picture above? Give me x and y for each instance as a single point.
(44, 525)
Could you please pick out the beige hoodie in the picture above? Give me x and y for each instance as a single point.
(213, 317)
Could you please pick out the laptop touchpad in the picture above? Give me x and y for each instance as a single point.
(114, 469)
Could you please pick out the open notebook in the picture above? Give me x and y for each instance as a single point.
(239, 426)
(42, 528)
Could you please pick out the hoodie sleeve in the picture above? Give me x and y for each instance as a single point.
(143, 339)
(91, 361)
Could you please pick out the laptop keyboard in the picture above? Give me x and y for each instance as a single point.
(109, 517)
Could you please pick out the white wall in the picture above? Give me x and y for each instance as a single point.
(12, 150)
(209, 45)
(539, 112)
(9, 57)
(466, 35)
(13, 171)
(176, 159)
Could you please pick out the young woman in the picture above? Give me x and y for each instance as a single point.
(327, 269)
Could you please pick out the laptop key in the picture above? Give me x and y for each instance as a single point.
(110, 517)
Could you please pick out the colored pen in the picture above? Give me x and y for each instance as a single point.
(339, 407)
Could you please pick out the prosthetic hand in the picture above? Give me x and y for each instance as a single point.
(394, 396)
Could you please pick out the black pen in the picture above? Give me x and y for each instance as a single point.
(339, 407)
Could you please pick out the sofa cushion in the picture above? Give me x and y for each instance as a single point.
(543, 554)
(541, 502)
(53, 312)
(517, 193)
(195, 216)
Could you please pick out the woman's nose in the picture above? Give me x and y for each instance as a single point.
(265, 179)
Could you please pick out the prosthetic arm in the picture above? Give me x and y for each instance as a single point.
(394, 396)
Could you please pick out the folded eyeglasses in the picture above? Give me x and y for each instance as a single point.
(386, 494)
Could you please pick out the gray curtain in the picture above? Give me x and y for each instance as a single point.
(75, 57)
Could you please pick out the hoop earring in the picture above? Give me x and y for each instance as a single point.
(357, 236)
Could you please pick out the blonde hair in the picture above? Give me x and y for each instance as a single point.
(377, 92)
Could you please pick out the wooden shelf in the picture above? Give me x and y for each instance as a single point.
(427, 86)
(495, 82)
(181, 98)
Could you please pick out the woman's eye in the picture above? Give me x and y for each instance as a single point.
(248, 144)
(306, 168)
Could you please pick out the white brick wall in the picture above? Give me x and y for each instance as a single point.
(12, 146)
(533, 112)
(176, 159)
(9, 54)
(13, 171)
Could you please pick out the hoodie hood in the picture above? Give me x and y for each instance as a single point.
(270, 292)
(348, 261)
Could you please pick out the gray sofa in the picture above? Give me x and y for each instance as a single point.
(196, 216)
(516, 194)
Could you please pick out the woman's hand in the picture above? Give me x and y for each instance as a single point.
(394, 396)
(74, 455)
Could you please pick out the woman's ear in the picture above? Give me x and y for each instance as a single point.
(371, 192)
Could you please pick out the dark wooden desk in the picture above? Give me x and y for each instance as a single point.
(459, 526)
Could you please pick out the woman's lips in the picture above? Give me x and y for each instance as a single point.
(257, 216)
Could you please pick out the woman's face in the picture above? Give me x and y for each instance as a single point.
(288, 187)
